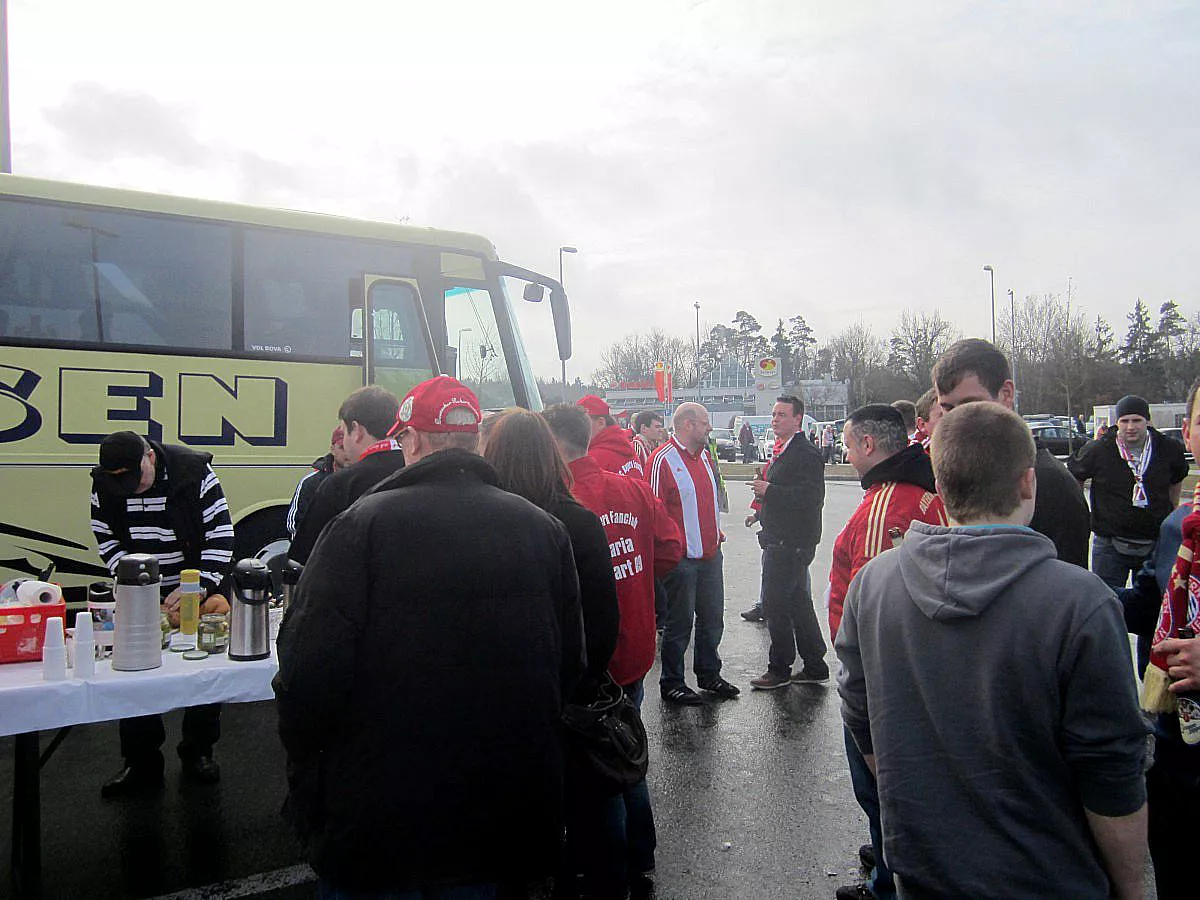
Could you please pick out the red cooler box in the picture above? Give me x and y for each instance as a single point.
(23, 629)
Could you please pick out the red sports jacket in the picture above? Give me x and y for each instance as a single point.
(644, 543)
(898, 494)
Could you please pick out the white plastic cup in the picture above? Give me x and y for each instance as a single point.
(54, 651)
(85, 646)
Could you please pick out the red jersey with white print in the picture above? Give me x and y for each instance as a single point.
(687, 485)
(644, 544)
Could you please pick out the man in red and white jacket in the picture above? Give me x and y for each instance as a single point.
(610, 444)
(645, 544)
(898, 479)
(684, 476)
(649, 433)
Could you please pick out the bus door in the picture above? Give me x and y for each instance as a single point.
(397, 349)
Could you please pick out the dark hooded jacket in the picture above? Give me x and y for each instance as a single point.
(993, 683)
(422, 668)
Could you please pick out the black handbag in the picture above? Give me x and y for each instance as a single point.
(607, 749)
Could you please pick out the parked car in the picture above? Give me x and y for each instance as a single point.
(727, 445)
(1176, 434)
(1060, 440)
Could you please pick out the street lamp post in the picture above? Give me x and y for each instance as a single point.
(1012, 326)
(992, 278)
(458, 359)
(697, 305)
(561, 251)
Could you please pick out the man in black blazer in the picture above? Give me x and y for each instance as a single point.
(791, 494)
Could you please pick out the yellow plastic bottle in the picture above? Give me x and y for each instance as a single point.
(189, 601)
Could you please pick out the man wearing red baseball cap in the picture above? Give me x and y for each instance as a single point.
(610, 445)
(430, 643)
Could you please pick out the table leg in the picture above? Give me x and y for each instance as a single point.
(27, 818)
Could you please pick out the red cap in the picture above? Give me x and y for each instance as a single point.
(594, 405)
(425, 406)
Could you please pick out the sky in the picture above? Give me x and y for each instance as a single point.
(840, 161)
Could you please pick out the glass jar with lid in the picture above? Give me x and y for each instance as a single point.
(213, 632)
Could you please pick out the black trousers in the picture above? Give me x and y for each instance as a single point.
(142, 737)
(788, 605)
(1173, 797)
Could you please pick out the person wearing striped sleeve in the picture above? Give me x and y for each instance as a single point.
(897, 476)
(166, 501)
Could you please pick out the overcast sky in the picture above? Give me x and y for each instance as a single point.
(839, 160)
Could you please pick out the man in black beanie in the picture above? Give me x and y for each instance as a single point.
(1136, 476)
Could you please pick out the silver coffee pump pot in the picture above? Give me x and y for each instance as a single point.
(137, 638)
(249, 619)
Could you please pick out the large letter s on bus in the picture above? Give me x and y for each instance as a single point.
(15, 389)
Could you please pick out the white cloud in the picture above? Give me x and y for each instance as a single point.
(834, 160)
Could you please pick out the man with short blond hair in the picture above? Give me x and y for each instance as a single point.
(951, 719)
(684, 476)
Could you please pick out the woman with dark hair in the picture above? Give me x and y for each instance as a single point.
(522, 450)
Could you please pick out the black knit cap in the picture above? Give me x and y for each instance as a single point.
(1133, 406)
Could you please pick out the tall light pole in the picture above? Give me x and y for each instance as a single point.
(561, 251)
(697, 305)
(992, 278)
(458, 359)
(1012, 326)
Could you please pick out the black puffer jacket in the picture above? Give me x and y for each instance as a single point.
(421, 673)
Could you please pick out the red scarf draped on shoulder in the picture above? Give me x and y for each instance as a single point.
(1180, 607)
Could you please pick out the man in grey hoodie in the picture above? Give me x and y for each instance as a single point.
(989, 686)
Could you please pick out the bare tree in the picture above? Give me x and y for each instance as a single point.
(854, 352)
(917, 342)
(634, 356)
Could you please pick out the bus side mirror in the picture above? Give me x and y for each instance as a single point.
(562, 321)
(534, 293)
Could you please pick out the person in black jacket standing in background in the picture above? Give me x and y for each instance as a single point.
(367, 417)
(792, 497)
(422, 670)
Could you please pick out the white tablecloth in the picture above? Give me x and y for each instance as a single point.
(27, 703)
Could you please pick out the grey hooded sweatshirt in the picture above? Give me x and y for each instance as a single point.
(994, 685)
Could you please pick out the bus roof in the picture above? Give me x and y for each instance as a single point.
(317, 223)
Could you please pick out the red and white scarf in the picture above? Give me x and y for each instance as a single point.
(384, 446)
(1180, 607)
(1138, 468)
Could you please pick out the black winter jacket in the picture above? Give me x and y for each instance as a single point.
(791, 507)
(337, 493)
(422, 668)
(597, 586)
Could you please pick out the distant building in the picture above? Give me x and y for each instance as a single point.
(728, 391)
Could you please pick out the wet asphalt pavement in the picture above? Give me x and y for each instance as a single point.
(751, 796)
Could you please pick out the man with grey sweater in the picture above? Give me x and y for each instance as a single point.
(989, 686)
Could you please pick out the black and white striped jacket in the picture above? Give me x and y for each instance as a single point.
(182, 519)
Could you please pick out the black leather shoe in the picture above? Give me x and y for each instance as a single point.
(201, 770)
(754, 614)
(720, 687)
(133, 780)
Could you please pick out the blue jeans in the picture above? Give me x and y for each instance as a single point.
(1114, 568)
(326, 891)
(788, 606)
(695, 590)
(866, 792)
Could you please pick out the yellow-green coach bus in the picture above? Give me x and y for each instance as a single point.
(227, 328)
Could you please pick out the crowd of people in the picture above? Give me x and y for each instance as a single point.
(466, 575)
